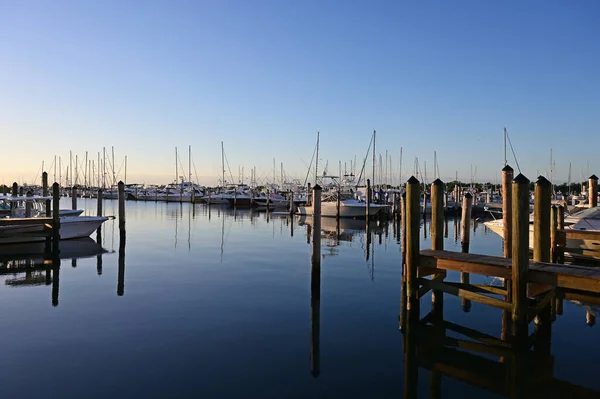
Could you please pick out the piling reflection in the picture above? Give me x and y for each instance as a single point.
(499, 365)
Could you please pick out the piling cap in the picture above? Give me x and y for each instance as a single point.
(412, 180)
(593, 177)
(521, 179)
(438, 182)
(120, 182)
(507, 168)
(317, 187)
(542, 181)
(468, 195)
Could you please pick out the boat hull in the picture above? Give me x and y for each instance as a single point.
(70, 227)
(353, 210)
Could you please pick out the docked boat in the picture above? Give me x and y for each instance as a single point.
(349, 208)
(586, 220)
(70, 227)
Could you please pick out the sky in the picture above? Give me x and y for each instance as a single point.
(264, 77)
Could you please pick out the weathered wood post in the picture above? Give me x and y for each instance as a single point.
(15, 193)
(560, 226)
(465, 222)
(45, 193)
(308, 195)
(368, 199)
(413, 221)
(593, 193)
(437, 240)
(520, 256)
(99, 198)
(315, 285)
(291, 203)
(121, 270)
(121, 188)
(403, 232)
(541, 224)
(21, 191)
(507, 177)
(55, 216)
(74, 197)
(28, 204)
(337, 205)
(553, 235)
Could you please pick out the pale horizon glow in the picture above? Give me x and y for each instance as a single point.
(265, 76)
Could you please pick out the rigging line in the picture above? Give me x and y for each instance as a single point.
(513, 152)
(310, 165)
(364, 163)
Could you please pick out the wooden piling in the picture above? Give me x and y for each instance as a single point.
(315, 285)
(291, 203)
(308, 195)
(553, 228)
(507, 177)
(21, 191)
(368, 199)
(403, 231)
(99, 198)
(413, 221)
(437, 215)
(541, 224)
(48, 203)
(520, 253)
(29, 205)
(55, 215)
(316, 239)
(593, 191)
(465, 222)
(15, 193)
(74, 197)
(121, 260)
(338, 203)
(121, 188)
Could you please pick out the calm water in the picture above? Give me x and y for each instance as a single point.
(217, 304)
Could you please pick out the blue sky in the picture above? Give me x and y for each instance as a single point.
(265, 76)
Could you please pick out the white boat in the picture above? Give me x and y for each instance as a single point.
(70, 227)
(587, 220)
(350, 208)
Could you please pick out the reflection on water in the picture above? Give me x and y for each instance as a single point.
(196, 301)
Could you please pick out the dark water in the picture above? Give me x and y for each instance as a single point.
(217, 304)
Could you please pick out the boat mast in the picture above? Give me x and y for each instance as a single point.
(113, 166)
(125, 181)
(505, 162)
(223, 164)
(85, 175)
(317, 160)
(190, 163)
(374, 160)
(176, 168)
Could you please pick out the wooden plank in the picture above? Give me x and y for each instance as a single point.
(24, 221)
(467, 263)
(581, 296)
(426, 283)
(565, 276)
(469, 294)
(480, 288)
(581, 234)
(474, 334)
(541, 304)
(478, 347)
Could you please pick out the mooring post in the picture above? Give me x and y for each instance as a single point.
(45, 193)
(507, 177)
(28, 204)
(560, 226)
(21, 191)
(541, 224)
(308, 195)
(55, 216)
(99, 198)
(553, 238)
(315, 285)
(403, 231)
(337, 205)
(291, 203)
(15, 193)
(121, 188)
(520, 256)
(121, 270)
(593, 193)
(368, 199)
(316, 239)
(413, 220)
(465, 222)
(74, 197)
(437, 239)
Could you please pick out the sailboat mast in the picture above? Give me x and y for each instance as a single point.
(317, 160)
(374, 160)
(125, 180)
(223, 164)
(113, 166)
(505, 162)
(176, 167)
(190, 163)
